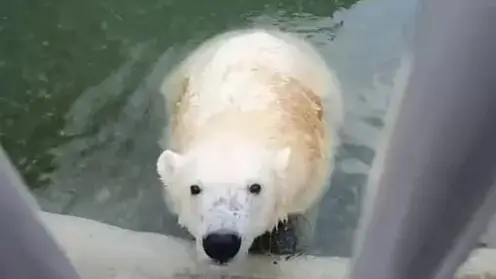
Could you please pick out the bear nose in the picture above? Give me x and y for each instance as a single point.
(221, 247)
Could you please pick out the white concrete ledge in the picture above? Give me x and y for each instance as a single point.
(101, 251)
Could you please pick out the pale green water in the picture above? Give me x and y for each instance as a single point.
(79, 113)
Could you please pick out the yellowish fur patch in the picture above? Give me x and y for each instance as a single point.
(293, 119)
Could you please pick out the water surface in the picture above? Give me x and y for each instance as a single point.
(81, 118)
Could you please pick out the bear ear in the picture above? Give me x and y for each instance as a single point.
(167, 164)
(282, 161)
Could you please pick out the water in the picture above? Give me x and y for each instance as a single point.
(81, 118)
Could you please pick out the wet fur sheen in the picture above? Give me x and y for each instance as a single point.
(264, 87)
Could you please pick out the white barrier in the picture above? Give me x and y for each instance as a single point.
(101, 251)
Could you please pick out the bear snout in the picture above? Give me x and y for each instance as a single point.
(221, 246)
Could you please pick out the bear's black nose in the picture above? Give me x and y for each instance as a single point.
(221, 247)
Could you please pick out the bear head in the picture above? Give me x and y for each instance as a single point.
(225, 194)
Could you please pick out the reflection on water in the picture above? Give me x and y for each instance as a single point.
(80, 115)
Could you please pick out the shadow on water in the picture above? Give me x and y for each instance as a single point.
(80, 117)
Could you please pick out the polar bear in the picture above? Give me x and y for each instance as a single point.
(253, 116)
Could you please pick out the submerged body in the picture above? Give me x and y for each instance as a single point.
(254, 115)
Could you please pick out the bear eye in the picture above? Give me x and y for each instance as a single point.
(255, 188)
(195, 190)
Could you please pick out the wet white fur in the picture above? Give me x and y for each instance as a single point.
(244, 108)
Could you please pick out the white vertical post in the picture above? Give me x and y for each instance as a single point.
(27, 251)
(435, 194)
